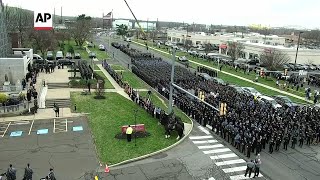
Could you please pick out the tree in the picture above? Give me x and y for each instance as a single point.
(80, 29)
(18, 21)
(235, 49)
(122, 30)
(273, 59)
(43, 41)
(208, 47)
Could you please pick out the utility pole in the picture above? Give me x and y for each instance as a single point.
(61, 16)
(295, 60)
(172, 81)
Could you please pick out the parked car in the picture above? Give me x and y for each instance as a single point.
(101, 47)
(205, 76)
(77, 55)
(67, 62)
(219, 81)
(238, 89)
(252, 91)
(269, 100)
(182, 59)
(285, 101)
(68, 55)
(50, 55)
(59, 55)
(127, 39)
(92, 55)
(90, 44)
(37, 57)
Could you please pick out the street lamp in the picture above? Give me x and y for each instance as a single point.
(295, 60)
(171, 83)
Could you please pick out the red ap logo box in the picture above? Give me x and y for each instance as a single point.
(42, 21)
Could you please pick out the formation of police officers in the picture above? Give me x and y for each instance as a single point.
(249, 125)
(11, 174)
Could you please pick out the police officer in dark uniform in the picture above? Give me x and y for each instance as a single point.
(294, 142)
(271, 144)
(249, 146)
(278, 142)
(286, 142)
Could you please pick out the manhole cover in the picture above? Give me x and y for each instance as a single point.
(160, 156)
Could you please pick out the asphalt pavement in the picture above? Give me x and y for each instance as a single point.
(65, 145)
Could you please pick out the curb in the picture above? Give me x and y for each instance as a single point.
(156, 152)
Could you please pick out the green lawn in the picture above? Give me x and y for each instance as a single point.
(117, 67)
(106, 118)
(133, 80)
(96, 67)
(157, 99)
(107, 83)
(233, 80)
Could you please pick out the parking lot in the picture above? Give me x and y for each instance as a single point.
(63, 144)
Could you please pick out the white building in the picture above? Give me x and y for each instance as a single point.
(122, 21)
(254, 44)
(16, 66)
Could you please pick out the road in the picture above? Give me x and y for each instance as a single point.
(294, 164)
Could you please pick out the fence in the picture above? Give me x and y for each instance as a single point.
(11, 88)
(16, 108)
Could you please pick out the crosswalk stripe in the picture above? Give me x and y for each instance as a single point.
(236, 161)
(210, 146)
(241, 176)
(200, 137)
(211, 178)
(223, 156)
(204, 130)
(234, 169)
(205, 141)
(217, 151)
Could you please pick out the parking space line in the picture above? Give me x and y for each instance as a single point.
(5, 131)
(31, 127)
(54, 125)
(66, 125)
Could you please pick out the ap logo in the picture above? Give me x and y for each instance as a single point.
(42, 21)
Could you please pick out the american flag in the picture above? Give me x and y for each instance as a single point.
(108, 16)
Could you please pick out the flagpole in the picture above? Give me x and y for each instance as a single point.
(111, 18)
(102, 21)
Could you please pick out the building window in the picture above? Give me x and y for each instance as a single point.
(198, 42)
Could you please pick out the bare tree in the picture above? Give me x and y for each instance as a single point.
(43, 41)
(208, 47)
(19, 21)
(273, 59)
(235, 49)
(80, 29)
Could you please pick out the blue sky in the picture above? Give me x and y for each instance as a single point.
(229, 12)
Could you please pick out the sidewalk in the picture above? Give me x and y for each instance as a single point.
(239, 77)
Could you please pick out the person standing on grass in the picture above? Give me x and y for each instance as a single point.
(129, 133)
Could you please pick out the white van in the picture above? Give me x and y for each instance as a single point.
(128, 39)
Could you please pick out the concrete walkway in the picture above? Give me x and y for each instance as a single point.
(239, 77)
(116, 86)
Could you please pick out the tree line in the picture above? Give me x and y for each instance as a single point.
(20, 21)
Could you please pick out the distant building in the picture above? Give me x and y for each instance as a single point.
(122, 21)
(146, 25)
(254, 44)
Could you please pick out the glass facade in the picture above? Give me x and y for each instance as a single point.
(3, 33)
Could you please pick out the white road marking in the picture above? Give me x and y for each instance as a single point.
(204, 130)
(234, 169)
(66, 125)
(236, 161)
(223, 156)
(208, 126)
(217, 151)
(31, 127)
(211, 146)
(6, 129)
(241, 176)
(205, 141)
(211, 178)
(200, 137)
(22, 122)
(54, 125)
